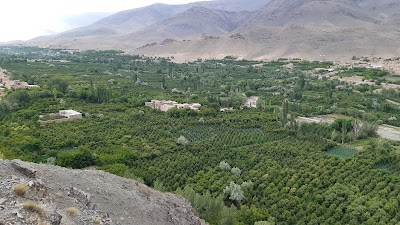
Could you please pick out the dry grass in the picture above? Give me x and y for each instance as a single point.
(96, 220)
(72, 211)
(20, 189)
(33, 207)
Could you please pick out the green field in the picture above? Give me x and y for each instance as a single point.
(342, 152)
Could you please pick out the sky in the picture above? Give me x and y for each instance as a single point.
(26, 19)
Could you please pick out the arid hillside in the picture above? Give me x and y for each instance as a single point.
(42, 194)
(318, 30)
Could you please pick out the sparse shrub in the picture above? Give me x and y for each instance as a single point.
(33, 207)
(96, 220)
(20, 189)
(159, 185)
(72, 211)
(51, 161)
(130, 175)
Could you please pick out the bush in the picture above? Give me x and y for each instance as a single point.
(20, 189)
(33, 207)
(72, 211)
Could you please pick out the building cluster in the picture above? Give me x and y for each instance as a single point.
(17, 84)
(5, 82)
(167, 105)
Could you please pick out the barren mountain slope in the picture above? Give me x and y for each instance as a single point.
(312, 13)
(130, 21)
(65, 196)
(314, 29)
(190, 24)
(329, 29)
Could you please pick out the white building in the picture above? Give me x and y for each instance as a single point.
(28, 86)
(71, 114)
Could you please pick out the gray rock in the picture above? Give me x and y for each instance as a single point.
(24, 168)
(54, 218)
(80, 195)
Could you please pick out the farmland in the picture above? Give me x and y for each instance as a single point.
(236, 167)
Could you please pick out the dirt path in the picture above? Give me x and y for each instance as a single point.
(393, 102)
(389, 132)
(358, 80)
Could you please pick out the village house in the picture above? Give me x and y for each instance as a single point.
(61, 116)
(31, 86)
(71, 114)
(168, 105)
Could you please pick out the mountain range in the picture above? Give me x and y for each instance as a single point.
(254, 29)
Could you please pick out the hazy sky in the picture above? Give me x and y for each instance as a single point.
(26, 19)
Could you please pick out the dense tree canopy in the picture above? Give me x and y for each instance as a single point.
(241, 166)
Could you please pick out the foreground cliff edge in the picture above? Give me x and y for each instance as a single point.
(45, 194)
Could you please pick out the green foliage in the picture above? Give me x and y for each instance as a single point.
(5, 107)
(235, 192)
(342, 124)
(367, 73)
(286, 175)
(236, 171)
(224, 166)
(212, 209)
(77, 159)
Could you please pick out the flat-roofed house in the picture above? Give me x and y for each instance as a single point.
(71, 114)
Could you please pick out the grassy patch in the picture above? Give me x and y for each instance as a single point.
(342, 152)
(20, 189)
(72, 211)
(33, 207)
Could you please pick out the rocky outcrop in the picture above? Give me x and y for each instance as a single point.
(56, 195)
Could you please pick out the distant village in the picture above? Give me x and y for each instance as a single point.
(7, 83)
(164, 106)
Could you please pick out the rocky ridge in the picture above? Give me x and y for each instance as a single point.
(45, 194)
